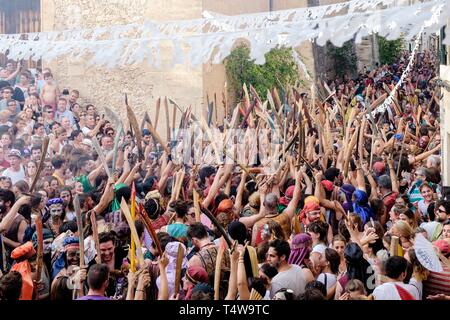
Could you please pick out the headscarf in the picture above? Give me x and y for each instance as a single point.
(361, 206)
(24, 252)
(225, 205)
(308, 207)
(60, 263)
(287, 196)
(348, 190)
(300, 248)
(46, 234)
(327, 185)
(55, 201)
(196, 275)
(172, 252)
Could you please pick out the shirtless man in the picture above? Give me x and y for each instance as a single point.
(50, 91)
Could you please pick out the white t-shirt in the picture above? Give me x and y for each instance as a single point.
(13, 175)
(290, 279)
(331, 279)
(320, 248)
(388, 291)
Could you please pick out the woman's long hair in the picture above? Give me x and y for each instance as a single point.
(357, 266)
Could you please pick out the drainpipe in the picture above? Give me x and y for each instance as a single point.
(270, 5)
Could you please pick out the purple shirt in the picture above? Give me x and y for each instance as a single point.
(94, 297)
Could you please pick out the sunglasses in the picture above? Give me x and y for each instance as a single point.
(440, 210)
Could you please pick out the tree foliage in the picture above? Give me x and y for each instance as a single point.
(343, 59)
(389, 50)
(279, 70)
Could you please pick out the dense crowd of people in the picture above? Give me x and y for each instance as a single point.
(344, 217)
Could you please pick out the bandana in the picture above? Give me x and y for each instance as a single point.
(361, 206)
(287, 196)
(71, 243)
(327, 185)
(55, 201)
(225, 205)
(348, 190)
(46, 234)
(310, 206)
(300, 248)
(25, 252)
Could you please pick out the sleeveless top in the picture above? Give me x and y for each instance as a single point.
(11, 234)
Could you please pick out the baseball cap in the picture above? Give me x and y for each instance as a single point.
(15, 153)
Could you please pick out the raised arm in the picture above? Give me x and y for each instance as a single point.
(250, 221)
(424, 155)
(232, 282)
(107, 197)
(94, 174)
(164, 176)
(129, 180)
(393, 175)
(14, 74)
(163, 293)
(242, 284)
(360, 177)
(290, 210)
(96, 129)
(240, 192)
(8, 219)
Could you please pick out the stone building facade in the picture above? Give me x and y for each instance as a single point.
(185, 84)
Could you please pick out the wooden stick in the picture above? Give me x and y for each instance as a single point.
(134, 234)
(44, 149)
(349, 151)
(155, 134)
(150, 229)
(174, 119)
(133, 245)
(101, 156)
(401, 149)
(196, 205)
(134, 125)
(178, 267)
(40, 249)
(158, 108)
(166, 108)
(116, 147)
(76, 204)
(218, 270)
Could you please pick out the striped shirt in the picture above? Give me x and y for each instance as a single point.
(437, 282)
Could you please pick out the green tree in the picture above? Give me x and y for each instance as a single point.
(389, 50)
(279, 70)
(343, 59)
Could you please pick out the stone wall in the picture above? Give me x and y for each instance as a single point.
(106, 87)
(186, 85)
